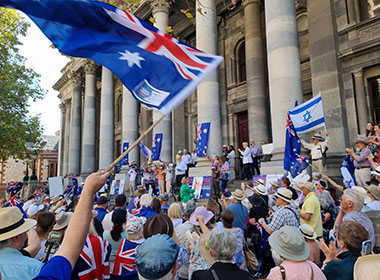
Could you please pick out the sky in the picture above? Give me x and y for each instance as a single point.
(47, 62)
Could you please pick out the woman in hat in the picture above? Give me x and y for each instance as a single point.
(117, 233)
(134, 230)
(285, 183)
(374, 194)
(196, 260)
(312, 242)
(360, 157)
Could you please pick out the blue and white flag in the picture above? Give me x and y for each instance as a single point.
(146, 152)
(308, 116)
(14, 187)
(348, 170)
(159, 70)
(156, 146)
(203, 132)
(294, 162)
(125, 160)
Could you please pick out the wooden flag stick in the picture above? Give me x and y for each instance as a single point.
(116, 161)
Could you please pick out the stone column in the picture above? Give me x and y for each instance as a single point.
(160, 11)
(326, 72)
(89, 120)
(76, 122)
(361, 101)
(106, 133)
(61, 139)
(208, 90)
(130, 123)
(66, 146)
(284, 71)
(254, 53)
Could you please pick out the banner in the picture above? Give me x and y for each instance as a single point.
(125, 160)
(203, 131)
(156, 146)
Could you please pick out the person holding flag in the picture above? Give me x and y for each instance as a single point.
(317, 151)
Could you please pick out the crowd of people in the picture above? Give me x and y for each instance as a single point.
(280, 229)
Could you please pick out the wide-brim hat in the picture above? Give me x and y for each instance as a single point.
(238, 195)
(375, 191)
(260, 182)
(140, 191)
(363, 140)
(274, 183)
(202, 244)
(62, 220)
(261, 189)
(317, 136)
(34, 209)
(289, 242)
(284, 194)
(308, 232)
(376, 172)
(367, 267)
(12, 223)
(201, 211)
(363, 193)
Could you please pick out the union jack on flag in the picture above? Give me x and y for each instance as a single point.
(160, 71)
(124, 266)
(203, 131)
(14, 187)
(15, 202)
(93, 262)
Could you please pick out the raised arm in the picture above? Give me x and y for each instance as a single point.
(76, 233)
(333, 184)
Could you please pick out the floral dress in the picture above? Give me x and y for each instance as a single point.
(239, 258)
(196, 261)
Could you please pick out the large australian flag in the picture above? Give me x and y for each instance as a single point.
(160, 71)
(294, 162)
(156, 146)
(203, 131)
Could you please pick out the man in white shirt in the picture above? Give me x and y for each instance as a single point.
(180, 171)
(194, 158)
(317, 149)
(186, 158)
(247, 161)
(132, 178)
(120, 202)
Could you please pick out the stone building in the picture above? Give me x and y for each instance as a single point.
(46, 163)
(275, 52)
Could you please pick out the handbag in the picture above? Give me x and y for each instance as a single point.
(224, 176)
(250, 258)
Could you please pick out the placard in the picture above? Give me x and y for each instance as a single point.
(55, 186)
(117, 187)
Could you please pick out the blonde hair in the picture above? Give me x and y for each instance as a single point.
(184, 181)
(175, 211)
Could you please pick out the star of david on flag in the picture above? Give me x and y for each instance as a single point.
(308, 116)
(156, 146)
(146, 152)
(160, 71)
(294, 162)
(203, 130)
(348, 170)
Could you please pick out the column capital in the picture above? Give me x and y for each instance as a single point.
(248, 2)
(76, 78)
(67, 103)
(90, 67)
(161, 6)
(358, 73)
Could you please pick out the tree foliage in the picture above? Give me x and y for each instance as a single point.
(18, 85)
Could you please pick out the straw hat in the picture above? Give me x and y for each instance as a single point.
(362, 140)
(375, 191)
(202, 244)
(62, 220)
(284, 194)
(376, 172)
(238, 195)
(290, 244)
(367, 268)
(261, 189)
(12, 223)
(308, 232)
(34, 209)
(260, 182)
(363, 192)
(140, 191)
(274, 183)
(317, 136)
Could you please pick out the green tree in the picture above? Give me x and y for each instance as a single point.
(18, 85)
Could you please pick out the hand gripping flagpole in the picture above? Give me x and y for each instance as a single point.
(116, 161)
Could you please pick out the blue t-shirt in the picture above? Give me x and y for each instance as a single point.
(101, 213)
(240, 215)
(57, 268)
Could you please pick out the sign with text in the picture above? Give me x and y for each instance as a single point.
(55, 186)
(205, 186)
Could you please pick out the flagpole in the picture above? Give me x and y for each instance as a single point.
(145, 133)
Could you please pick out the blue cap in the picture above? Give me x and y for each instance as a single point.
(156, 256)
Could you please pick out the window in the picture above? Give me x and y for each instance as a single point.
(369, 8)
(241, 74)
(118, 148)
(119, 108)
(374, 88)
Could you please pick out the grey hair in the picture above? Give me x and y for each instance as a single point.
(146, 200)
(223, 244)
(356, 198)
(5, 243)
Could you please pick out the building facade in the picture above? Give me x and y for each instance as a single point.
(275, 52)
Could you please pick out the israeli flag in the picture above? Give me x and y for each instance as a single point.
(308, 116)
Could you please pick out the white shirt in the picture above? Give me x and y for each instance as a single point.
(247, 157)
(187, 159)
(181, 168)
(169, 174)
(374, 205)
(194, 157)
(315, 150)
(132, 174)
(107, 221)
(231, 159)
